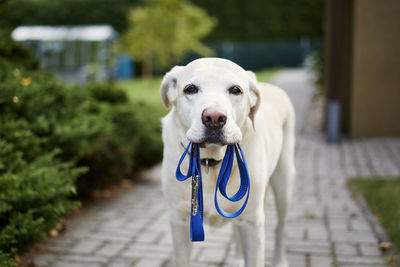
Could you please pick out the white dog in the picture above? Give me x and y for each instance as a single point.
(215, 103)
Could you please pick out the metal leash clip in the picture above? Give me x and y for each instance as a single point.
(195, 187)
(207, 166)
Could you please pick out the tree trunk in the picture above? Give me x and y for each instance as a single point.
(147, 68)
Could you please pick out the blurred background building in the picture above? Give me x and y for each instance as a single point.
(74, 53)
(362, 63)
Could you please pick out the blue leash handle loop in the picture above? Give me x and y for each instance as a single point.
(194, 171)
(223, 178)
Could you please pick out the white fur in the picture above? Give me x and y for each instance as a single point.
(268, 147)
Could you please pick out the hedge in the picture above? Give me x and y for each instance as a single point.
(256, 20)
(57, 141)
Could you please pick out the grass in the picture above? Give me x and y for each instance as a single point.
(146, 90)
(383, 197)
(142, 90)
(266, 74)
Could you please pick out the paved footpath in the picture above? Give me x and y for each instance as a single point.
(325, 225)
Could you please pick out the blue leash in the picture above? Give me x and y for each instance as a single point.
(196, 216)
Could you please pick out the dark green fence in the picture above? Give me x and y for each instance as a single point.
(260, 55)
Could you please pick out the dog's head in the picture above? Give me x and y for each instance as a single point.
(213, 97)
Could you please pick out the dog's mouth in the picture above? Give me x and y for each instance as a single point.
(214, 137)
(228, 135)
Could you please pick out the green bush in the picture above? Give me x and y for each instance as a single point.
(149, 149)
(103, 92)
(56, 141)
(35, 184)
(14, 52)
(34, 197)
(6, 260)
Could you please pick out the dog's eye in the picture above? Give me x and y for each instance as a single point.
(191, 89)
(235, 90)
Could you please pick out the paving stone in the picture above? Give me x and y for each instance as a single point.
(201, 264)
(234, 262)
(86, 246)
(370, 250)
(360, 224)
(87, 259)
(378, 261)
(339, 223)
(120, 232)
(196, 251)
(309, 246)
(219, 238)
(345, 249)
(297, 260)
(113, 223)
(136, 223)
(147, 251)
(59, 247)
(61, 241)
(319, 261)
(212, 255)
(149, 263)
(166, 239)
(110, 249)
(296, 233)
(359, 265)
(359, 236)
(44, 259)
(121, 262)
(149, 237)
(317, 233)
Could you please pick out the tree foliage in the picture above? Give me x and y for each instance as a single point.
(164, 30)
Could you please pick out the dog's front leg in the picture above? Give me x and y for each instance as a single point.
(252, 236)
(182, 245)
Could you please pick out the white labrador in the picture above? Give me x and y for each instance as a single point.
(215, 103)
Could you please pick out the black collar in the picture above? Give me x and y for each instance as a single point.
(210, 162)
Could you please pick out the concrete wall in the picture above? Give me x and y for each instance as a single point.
(375, 100)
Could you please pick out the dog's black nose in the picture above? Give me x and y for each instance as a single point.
(213, 118)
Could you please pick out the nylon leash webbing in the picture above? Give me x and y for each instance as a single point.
(194, 171)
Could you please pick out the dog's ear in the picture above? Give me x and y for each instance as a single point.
(255, 95)
(169, 90)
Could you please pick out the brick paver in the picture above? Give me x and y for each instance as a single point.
(325, 225)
